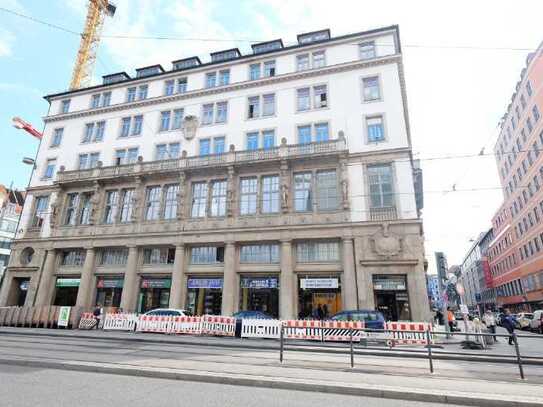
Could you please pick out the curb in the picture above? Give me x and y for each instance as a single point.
(280, 383)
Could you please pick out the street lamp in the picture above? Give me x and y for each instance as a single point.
(20, 124)
(28, 161)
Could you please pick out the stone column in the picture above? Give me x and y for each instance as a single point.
(129, 295)
(348, 283)
(178, 292)
(85, 285)
(229, 279)
(416, 289)
(6, 287)
(45, 289)
(287, 287)
(365, 286)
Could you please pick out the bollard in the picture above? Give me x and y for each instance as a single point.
(281, 339)
(519, 360)
(352, 353)
(429, 346)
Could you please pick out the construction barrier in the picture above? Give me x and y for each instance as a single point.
(402, 336)
(260, 328)
(218, 325)
(342, 330)
(120, 322)
(87, 321)
(153, 323)
(185, 325)
(302, 329)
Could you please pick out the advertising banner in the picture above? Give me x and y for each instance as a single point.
(156, 283)
(204, 283)
(309, 283)
(63, 316)
(259, 282)
(68, 282)
(110, 283)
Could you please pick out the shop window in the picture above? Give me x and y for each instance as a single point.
(204, 295)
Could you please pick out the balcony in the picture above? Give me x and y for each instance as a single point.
(283, 152)
(383, 214)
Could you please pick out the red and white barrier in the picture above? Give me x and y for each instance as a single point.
(120, 322)
(153, 323)
(87, 321)
(218, 325)
(302, 329)
(342, 330)
(260, 328)
(186, 325)
(402, 336)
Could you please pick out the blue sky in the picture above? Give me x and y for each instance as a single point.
(456, 95)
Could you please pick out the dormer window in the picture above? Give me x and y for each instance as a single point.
(225, 55)
(314, 36)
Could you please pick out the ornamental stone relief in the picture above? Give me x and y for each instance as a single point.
(385, 243)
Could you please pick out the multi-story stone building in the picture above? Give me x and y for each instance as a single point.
(279, 180)
(517, 250)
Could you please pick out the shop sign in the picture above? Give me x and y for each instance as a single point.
(309, 283)
(389, 284)
(263, 282)
(24, 285)
(156, 283)
(63, 316)
(110, 283)
(204, 283)
(401, 297)
(68, 282)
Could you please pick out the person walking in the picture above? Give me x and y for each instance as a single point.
(97, 315)
(490, 322)
(508, 322)
(450, 319)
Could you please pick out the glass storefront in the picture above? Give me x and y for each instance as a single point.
(154, 293)
(318, 297)
(391, 297)
(66, 291)
(260, 294)
(109, 291)
(204, 296)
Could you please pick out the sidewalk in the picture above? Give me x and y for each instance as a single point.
(254, 366)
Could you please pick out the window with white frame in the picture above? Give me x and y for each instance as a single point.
(126, 156)
(381, 186)
(327, 190)
(303, 195)
(302, 62)
(131, 94)
(127, 205)
(375, 128)
(113, 257)
(219, 145)
(222, 112)
(172, 86)
(57, 137)
(100, 100)
(142, 92)
(199, 199)
(110, 210)
(320, 95)
(211, 79)
(270, 194)
(303, 99)
(320, 98)
(269, 69)
(88, 160)
(252, 140)
(85, 208)
(253, 107)
(370, 89)
(40, 210)
(214, 111)
(224, 77)
(259, 70)
(72, 205)
(152, 203)
(50, 165)
(158, 255)
(319, 59)
(65, 106)
(316, 252)
(248, 195)
(318, 132)
(205, 146)
(131, 126)
(171, 201)
(94, 132)
(266, 101)
(268, 105)
(167, 151)
(218, 198)
(262, 253)
(254, 72)
(367, 50)
(207, 255)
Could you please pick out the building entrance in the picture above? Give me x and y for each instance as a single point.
(318, 298)
(109, 291)
(204, 296)
(260, 294)
(154, 293)
(391, 297)
(66, 291)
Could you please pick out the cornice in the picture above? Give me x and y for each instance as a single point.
(311, 73)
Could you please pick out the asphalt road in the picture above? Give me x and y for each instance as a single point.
(30, 387)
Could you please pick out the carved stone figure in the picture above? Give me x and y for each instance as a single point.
(345, 192)
(386, 244)
(284, 195)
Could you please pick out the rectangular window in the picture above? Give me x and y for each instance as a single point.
(110, 212)
(170, 201)
(303, 101)
(375, 128)
(304, 134)
(73, 258)
(302, 62)
(205, 146)
(127, 205)
(159, 255)
(126, 156)
(169, 87)
(248, 195)
(177, 118)
(254, 107)
(125, 127)
(207, 255)
(211, 79)
(371, 89)
(152, 203)
(106, 99)
(222, 112)
(528, 88)
(199, 199)
(57, 137)
(65, 106)
(165, 120)
(71, 209)
(219, 144)
(87, 161)
(268, 105)
(270, 194)
(182, 85)
(161, 152)
(142, 92)
(268, 138)
(85, 208)
(319, 59)
(99, 131)
(40, 210)
(367, 50)
(95, 101)
(252, 141)
(113, 257)
(302, 192)
(207, 114)
(224, 77)
(321, 132)
(138, 122)
(50, 168)
(529, 125)
(131, 94)
(264, 253)
(381, 189)
(327, 190)
(321, 95)
(315, 252)
(269, 69)
(218, 198)
(535, 113)
(254, 72)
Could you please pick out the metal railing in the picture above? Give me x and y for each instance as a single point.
(382, 214)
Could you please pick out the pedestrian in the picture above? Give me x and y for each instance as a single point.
(97, 315)
(490, 322)
(439, 317)
(450, 319)
(320, 312)
(508, 322)
(325, 311)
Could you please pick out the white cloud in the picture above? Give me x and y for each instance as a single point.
(6, 42)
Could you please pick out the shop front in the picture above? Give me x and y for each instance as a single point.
(204, 295)
(109, 291)
(391, 297)
(154, 293)
(260, 294)
(66, 291)
(19, 290)
(318, 297)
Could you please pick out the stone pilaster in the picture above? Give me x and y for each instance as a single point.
(46, 285)
(287, 292)
(231, 192)
(365, 287)
(284, 185)
(348, 283)
(85, 285)
(178, 292)
(229, 279)
(130, 286)
(181, 195)
(5, 289)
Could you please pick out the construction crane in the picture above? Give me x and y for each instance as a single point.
(90, 38)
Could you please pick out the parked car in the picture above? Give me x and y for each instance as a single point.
(537, 320)
(168, 312)
(241, 315)
(373, 319)
(524, 319)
